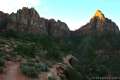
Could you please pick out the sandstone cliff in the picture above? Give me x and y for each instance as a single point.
(28, 20)
(98, 23)
(57, 28)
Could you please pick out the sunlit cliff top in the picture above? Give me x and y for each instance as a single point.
(99, 14)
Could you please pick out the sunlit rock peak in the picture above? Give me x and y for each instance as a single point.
(99, 15)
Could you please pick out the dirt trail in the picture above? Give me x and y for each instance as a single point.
(13, 72)
(1, 77)
(43, 76)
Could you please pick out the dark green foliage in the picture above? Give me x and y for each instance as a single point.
(10, 34)
(2, 61)
(44, 67)
(99, 64)
(72, 74)
(25, 50)
(53, 54)
(3, 23)
(98, 53)
(31, 69)
(51, 78)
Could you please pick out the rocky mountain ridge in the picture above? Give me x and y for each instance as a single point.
(28, 20)
(35, 57)
(98, 23)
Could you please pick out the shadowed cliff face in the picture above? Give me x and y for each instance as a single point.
(98, 23)
(3, 20)
(57, 28)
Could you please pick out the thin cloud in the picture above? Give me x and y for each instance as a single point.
(9, 6)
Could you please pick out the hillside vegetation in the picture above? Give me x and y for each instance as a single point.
(98, 54)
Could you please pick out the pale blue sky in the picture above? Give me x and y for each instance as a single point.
(74, 12)
(77, 12)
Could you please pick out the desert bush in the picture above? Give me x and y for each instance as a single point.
(2, 61)
(53, 54)
(25, 50)
(72, 74)
(51, 78)
(30, 69)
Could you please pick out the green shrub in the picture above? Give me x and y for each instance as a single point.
(10, 33)
(30, 69)
(2, 61)
(54, 54)
(25, 50)
(51, 78)
(72, 74)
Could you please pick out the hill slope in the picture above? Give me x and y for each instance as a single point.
(32, 47)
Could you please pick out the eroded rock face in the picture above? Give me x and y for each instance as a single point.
(26, 20)
(57, 29)
(98, 23)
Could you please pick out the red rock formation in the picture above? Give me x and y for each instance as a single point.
(57, 29)
(26, 20)
(98, 23)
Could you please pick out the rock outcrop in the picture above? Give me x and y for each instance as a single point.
(57, 29)
(28, 20)
(98, 23)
